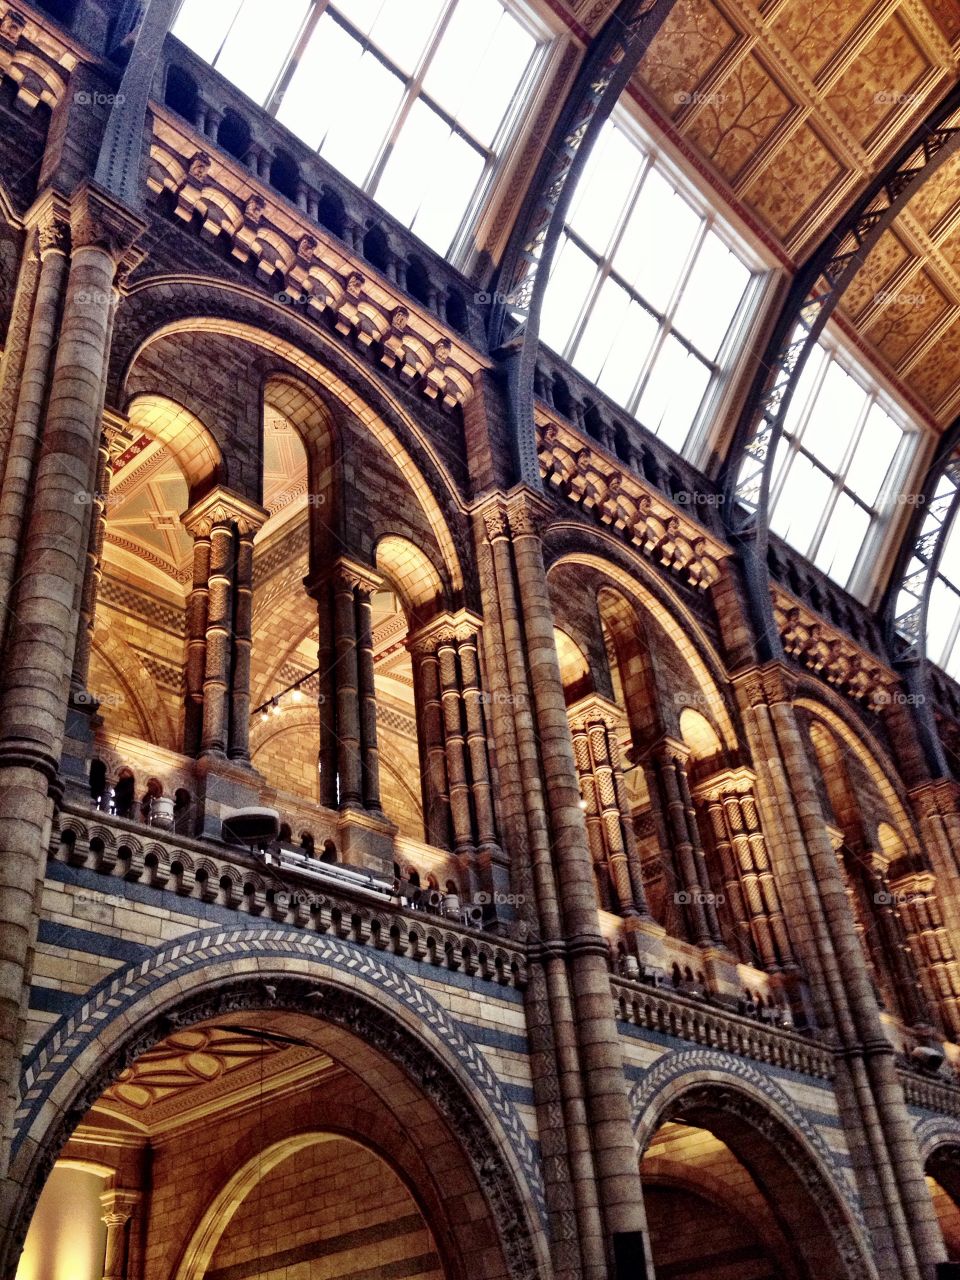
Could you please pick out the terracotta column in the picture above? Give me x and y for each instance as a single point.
(33, 338)
(886, 1160)
(118, 1208)
(593, 725)
(454, 741)
(931, 947)
(225, 522)
(319, 589)
(750, 886)
(433, 756)
(93, 574)
(196, 641)
(669, 759)
(454, 749)
(370, 752)
(597, 1037)
(42, 632)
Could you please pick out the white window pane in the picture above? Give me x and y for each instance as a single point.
(202, 25)
(452, 76)
(657, 241)
(421, 140)
(608, 176)
(949, 565)
(801, 503)
(804, 389)
(711, 296)
(606, 315)
(873, 455)
(354, 137)
(259, 43)
(833, 421)
(842, 539)
(673, 393)
(621, 370)
(400, 29)
(941, 616)
(572, 276)
(457, 170)
(321, 83)
(496, 78)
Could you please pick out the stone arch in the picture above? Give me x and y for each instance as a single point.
(871, 755)
(138, 687)
(218, 1213)
(388, 1016)
(323, 375)
(670, 613)
(413, 573)
(190, 443)
(767, 1132)
(938, 1138)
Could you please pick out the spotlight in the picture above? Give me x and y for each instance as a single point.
(264, 714)
(297, 693)
(582, 803)
(275, 706)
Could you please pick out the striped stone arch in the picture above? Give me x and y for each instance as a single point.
(211, 973)
(936, 1132)
(741, 1090)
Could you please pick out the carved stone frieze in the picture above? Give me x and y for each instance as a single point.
(638, 513)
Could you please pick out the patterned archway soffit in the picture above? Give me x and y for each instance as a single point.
(935, 1132)
(522, 279)
(244, 330)
(359, 993)
(741, 1089)
(908, 597)
(815, 292)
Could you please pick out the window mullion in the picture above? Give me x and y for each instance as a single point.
(288, 70)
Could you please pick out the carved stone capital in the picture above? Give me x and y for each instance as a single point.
(595, 709)
(766, 686)
(458, 627)
(726, 782)
(98, 221)
(50, 215)
(222, 507)
(119, 1205)
(346, 573)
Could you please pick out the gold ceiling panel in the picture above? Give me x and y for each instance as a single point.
(793, 106)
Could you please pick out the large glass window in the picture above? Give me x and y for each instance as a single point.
(412, 101)
(943, 612)
(647, 288)
(842, 453)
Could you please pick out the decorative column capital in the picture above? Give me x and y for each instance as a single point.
(346, 572)
(836, 838)
(593, 708)
(99, 221)
(119, 1205)
(522, 512)
(446, 628)
(725, 782)
(766, 686)
(221, 507)
(50, 215)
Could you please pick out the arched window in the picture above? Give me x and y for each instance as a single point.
(648, 287)
(436, 88)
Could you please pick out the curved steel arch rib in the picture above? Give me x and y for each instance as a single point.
(521, 280)
(815, 292)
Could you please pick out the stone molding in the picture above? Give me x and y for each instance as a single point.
(222, 506)
(616, 497)
(319, 277)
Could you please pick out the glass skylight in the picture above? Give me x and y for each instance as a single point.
(842, 451)
(412, 101)
(646, 289)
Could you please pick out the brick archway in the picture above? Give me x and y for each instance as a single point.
(400, 1040)
(771, 1137)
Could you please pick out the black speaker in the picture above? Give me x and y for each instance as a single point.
(629, 1259)
(948, 1271)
